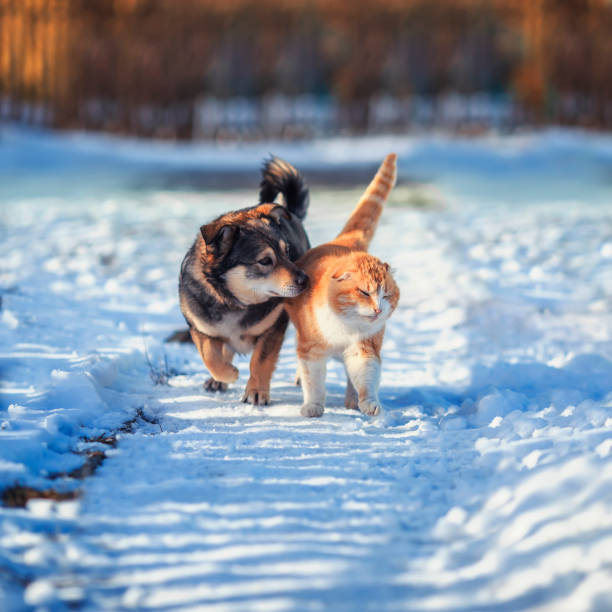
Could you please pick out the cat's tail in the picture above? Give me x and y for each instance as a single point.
(360, 228)
(279, 176)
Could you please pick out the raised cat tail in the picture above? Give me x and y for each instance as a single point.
(279, 176)
(360, 228)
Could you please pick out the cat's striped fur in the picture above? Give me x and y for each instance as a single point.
(344, 311)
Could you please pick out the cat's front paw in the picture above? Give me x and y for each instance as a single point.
(369, 406)
(311, 410)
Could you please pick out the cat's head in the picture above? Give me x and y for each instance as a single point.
(363, 290)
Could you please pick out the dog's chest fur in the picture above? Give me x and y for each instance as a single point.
(239, 328)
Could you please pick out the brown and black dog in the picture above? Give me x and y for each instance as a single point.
(235, 275)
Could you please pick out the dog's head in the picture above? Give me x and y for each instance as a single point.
(252, 263)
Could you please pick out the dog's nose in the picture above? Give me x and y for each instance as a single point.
(301, 280)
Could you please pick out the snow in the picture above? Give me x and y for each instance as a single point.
(486, 484)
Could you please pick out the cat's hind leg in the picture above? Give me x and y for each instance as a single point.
(312, 377)
(351, 400)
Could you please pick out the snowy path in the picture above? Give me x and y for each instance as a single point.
(485, 485)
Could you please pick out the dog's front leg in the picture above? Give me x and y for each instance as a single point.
(216, 358)
(216, 385)
(263, 362)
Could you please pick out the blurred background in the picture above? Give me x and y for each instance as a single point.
(292, 69)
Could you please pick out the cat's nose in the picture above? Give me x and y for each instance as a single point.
(377, 310)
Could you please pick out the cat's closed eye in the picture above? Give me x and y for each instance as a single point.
(364, 292)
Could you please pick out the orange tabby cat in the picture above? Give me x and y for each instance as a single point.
(344, 311)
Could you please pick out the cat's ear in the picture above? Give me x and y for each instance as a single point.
(386, 266)
(341, 275)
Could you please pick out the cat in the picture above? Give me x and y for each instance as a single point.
(344, 310)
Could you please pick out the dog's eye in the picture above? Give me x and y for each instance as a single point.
(266, 261)
(364, 293)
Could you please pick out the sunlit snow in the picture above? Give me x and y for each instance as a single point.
(486, 484)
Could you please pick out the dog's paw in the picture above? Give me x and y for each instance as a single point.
(255, 396)
(215, 385)
(311, 410)
(369, 406)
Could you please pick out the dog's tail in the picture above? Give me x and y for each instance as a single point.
(360, 228)
(278, 176)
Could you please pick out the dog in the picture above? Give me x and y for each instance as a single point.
(235, 275)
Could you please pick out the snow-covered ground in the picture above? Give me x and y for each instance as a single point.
(485, 485)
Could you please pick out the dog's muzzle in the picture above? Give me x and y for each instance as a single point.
(293, 289)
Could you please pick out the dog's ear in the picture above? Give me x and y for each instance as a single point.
(219, 239)
(208, 233)
(277, 213)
